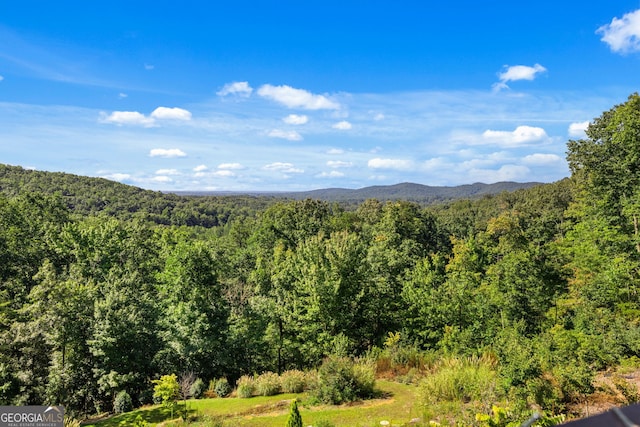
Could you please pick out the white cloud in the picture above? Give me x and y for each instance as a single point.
(331, 174)
(339, 164)
(297, 98)
(517, 72)
(236, 88)
(541, 159)
(117, 177)
(343, 125)
(282, 167)
(578, 129)
(522, 135)
(378, 117)
(167, 172)
(1, 78)
(149, 67)
(505, 173)
(128, 118)
(230, 166)
(168, 153)
(200, 168)
(165, 113)
(335, 151)
(122, 95)
(290, 135)
(295, 119)
(622, 35)
(398, 164)
(162, 179)
(223, 174)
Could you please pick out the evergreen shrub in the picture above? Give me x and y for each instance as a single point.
(122, 403)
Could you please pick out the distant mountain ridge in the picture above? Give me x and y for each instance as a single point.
(419, 193)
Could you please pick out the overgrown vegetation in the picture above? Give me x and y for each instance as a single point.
(520, 297)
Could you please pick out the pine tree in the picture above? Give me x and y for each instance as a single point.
(294, 420)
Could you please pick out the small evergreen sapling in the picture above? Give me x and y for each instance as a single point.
(294, 420)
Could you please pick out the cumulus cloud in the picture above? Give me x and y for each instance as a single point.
(161, 178)
(297, 98)
(398, 164)
(223, 174)
(167, 172)
(129, 118)
(117, 177)
(1, 78)
(295, 119)
(541, 159)
(522, 135)
(578, 129)
(290, 135)
(282, 167)
(200, 168)
(122, 95)
(517, 72)
(230, 166)
(165, 113)
(331, 174)
(236, 88)
(378, 117)
(343, 125)
(622, 34)
(335, 151)
(167, 153)
(138, 119)
(335, 164)
(505, 173)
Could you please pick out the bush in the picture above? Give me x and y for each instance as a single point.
(325, 423)
(268, 384)
(341, 380)
(294, 419)
(293, 381)
(460, 380)
(122, 403)
(197, 389)
(222, 387)
(245, 387)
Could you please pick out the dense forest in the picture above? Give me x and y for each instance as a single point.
(544, 281)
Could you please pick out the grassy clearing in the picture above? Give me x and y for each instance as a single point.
(397, 406)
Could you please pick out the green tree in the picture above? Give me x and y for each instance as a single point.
(167, 390)
(294, 419)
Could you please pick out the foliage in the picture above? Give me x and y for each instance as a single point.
(197, 388)
(167, 389)
(267, 384)
(122, 402)
(461, 380)
(245, 387)
(294, 419)
(222, 387)
(341, 380)
(293, 381)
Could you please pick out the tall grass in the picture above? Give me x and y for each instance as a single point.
(460, 379)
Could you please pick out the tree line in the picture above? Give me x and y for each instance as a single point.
(544, 279)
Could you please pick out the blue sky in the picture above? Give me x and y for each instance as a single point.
(291, 95)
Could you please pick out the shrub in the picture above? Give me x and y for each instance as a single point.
(294, 419)
(70, 422)
(122, 403)
(197, 389)
(245, 387)
(268, 384)
(325, 423)
(293, 381)
(341, 380)
(222, 387)
(461, 380)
